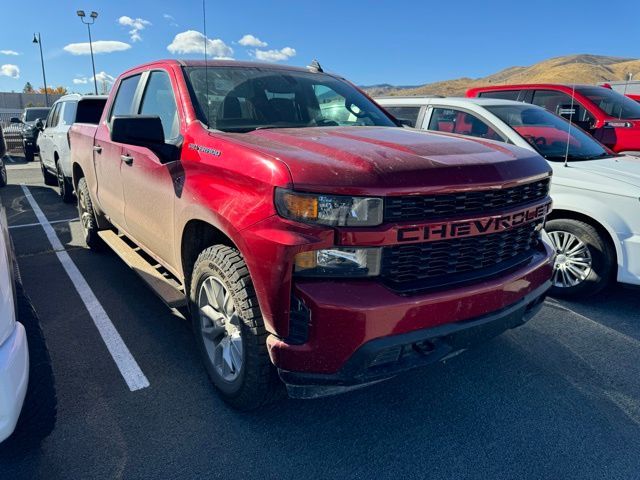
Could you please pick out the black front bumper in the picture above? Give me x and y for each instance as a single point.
(383, 358)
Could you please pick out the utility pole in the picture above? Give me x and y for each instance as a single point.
(92, 16)
(37, 39)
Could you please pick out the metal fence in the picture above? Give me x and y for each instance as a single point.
(11, 131)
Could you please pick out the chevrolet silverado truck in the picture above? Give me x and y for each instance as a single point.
(313, 240)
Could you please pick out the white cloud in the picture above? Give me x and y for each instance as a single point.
(275, 55)
(9, 70)
(9, 52)
(101, 77)
(251, 41)
(99, 46)
(170, 19)
(136, 24)
(193, 42)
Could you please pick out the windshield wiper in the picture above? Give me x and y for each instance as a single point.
(281, 125)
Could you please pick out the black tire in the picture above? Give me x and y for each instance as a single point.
(64, 185)
(49, 179)
(3, 173)
(29, 154)
(88, 217)
(257, 383)
(603, 258)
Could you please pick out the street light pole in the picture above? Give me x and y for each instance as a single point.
(37, 39)
(93, 17)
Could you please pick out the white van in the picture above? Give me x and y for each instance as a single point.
(53, 141)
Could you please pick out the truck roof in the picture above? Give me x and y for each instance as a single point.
(220, 63)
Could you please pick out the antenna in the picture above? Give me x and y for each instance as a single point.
(626, 84)
(571, 111)
(206, 61)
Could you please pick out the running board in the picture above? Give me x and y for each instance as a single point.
(167, 288)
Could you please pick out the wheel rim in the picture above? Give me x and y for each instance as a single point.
(85, 216)
(220, 329)
(573, 262)
(60, 179)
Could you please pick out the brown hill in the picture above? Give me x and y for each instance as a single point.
(590, 69)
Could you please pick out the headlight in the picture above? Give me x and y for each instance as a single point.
(339, 262)
(332, 210)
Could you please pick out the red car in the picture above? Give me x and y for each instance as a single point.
(609, 116)
(311, 237)
(631, 88)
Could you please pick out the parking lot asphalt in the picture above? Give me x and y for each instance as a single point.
(556, 398)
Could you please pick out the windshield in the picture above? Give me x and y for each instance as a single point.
(32, 114)
(242, 99)
(548, 133)
(612, 103)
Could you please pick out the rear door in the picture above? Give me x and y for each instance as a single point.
(45, 139)
(150, 186)
(107, 154)
(61, 138)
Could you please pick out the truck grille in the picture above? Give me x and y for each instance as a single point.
(422, 266)
(428, 207)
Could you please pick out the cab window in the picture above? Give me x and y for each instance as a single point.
(452, 120)
(561, 104)
(501, 94)
(123, 104)
(409, 114)
(54, 116)
(69, 113)
(158, 100)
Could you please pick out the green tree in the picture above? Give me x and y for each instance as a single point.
(28, 88)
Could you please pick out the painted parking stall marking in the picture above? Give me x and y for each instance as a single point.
(129, 368)
(37, 224)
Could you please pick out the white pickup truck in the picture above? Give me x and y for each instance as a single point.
(14, 354)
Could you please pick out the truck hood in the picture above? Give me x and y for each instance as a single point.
(387, 160)
(625, 169)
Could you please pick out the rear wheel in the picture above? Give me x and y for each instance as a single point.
(585, 261)
(48, 178)
(229, 329)
(64, 185)
(87, 216)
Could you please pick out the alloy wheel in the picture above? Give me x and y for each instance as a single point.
(573, 261)
(220, 328)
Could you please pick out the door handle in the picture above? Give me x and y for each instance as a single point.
(97, 148)
(128, 159)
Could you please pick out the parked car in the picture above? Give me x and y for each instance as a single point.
(631, 88)
(14, 354)
(3, 153)
(29, 131)
(325, 250)
(53, 142)
(594, 224)
(612, 118)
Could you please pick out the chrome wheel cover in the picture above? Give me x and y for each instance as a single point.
(220, 328)
(85, 217)
(573, 262)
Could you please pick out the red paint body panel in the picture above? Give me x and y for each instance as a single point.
(234, 192)
(618, 139)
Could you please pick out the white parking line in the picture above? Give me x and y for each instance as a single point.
(125, 362)
(38, 224)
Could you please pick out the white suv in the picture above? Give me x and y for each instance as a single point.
(53, 141)
(595, 223)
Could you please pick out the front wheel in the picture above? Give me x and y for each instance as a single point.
(3, 173)
(29, 154)
(585, 261)
(229, 329)
(47, 177)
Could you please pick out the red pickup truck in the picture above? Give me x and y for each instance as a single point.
(612, 118)
(314, 241)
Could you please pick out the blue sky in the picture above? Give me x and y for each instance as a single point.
(399, 42)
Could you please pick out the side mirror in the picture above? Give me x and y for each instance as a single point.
(15, 120)
(39, 124)
(143, 131)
